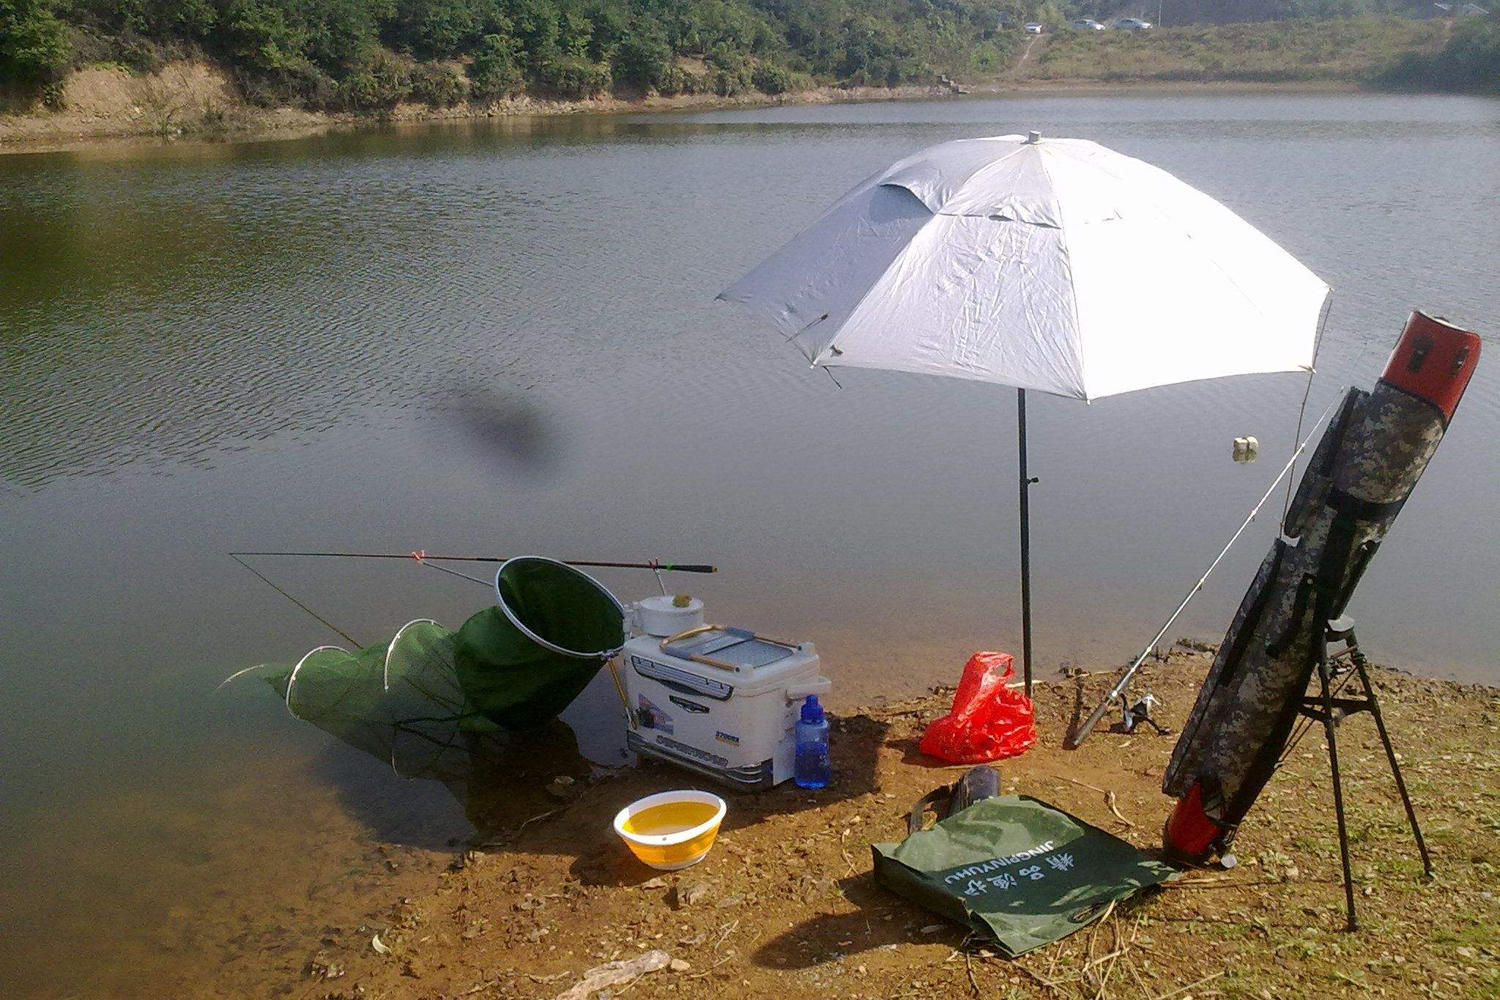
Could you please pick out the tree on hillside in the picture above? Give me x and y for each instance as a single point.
(33, 42)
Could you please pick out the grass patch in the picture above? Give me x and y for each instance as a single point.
(1355, 50)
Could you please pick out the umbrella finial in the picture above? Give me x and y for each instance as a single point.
(1032, 138)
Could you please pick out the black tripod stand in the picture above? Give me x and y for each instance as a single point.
(1330, 709)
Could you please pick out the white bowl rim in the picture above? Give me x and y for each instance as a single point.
(663, 602)
(662, 798)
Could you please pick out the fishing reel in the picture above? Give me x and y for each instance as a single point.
(1132, 714)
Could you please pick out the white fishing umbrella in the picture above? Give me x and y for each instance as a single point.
(1048, 264)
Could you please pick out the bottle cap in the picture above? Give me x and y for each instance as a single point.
(811, 710)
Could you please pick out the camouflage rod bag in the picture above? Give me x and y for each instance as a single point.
(1017, 870)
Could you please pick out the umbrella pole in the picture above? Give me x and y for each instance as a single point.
(1026, 482)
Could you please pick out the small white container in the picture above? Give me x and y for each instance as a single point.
(659, 617)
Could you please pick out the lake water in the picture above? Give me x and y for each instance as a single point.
(500, 337)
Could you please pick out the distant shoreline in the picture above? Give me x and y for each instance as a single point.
(189, 94)
(71, 130)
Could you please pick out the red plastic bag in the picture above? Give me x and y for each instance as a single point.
(989, 721)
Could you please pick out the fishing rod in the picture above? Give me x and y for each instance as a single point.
(1124, 681)
(420, 556)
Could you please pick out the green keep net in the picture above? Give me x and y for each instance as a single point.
(401, 702)
(525, 660)
(515, 665)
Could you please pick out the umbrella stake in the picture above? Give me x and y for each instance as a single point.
(1026, 482)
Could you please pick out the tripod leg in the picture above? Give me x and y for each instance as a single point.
(1390, 753)
(1338, 785)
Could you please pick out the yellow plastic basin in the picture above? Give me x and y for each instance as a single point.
(671, 830)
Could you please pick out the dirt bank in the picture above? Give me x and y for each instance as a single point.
(194, 98)
(110, 102)
(787, 907)
(188, 98)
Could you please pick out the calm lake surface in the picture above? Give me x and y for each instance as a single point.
(500, 337)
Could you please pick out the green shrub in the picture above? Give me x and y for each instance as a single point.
(571, 77)
(538, 31)
(731, 72)
(191, 19)
(643, 59)
(496, 69)
(439, 84)
(259, 38)
(34, 46)
(434, 29)
(769, 78)
(683, 81)
(138, 54)
(1353, 49)
(1470, 60)
(379, 84)
(298, 83)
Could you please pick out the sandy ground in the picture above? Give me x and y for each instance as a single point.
(194, 99)
(785, 906)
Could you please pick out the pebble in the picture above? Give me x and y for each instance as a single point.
(692, 895)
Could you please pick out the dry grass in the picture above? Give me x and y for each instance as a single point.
(1355, 50)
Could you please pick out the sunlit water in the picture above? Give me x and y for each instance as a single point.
(500, 337)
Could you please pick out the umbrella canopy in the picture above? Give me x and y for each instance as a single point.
(1053, 264)
(1050, 264)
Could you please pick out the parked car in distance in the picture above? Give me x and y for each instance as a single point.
(1132, 24)
(1033, 28)
(1088, 24)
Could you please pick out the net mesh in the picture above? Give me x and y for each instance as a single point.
(400, 700)
(428, 686)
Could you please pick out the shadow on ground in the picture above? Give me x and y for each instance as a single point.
(882, 920)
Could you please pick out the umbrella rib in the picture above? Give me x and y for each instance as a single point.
(991, 165)
(865, 295)
(1187, 233)
(1062, 235)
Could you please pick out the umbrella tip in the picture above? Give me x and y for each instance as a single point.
(1032, 138)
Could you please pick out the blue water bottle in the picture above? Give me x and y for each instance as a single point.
(811, 769)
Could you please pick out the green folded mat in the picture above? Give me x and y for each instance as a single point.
(1017, 870)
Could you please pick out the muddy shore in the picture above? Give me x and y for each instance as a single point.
(785, 904)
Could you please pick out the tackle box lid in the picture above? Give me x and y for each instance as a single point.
(735, 647)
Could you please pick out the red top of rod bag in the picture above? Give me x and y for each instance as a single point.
(1433, 361)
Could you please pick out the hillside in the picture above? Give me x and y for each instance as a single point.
(1351, 50)
(367, 55)
(174, 65)
(1384, 52)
